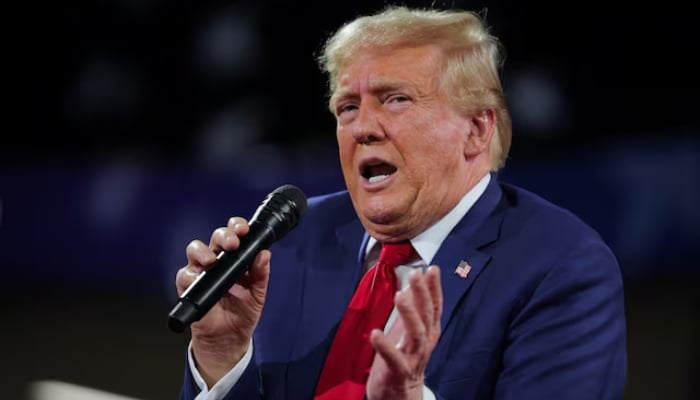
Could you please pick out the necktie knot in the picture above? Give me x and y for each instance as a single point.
(395, 254)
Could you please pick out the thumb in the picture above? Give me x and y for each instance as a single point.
(255, 280)
(260, 270)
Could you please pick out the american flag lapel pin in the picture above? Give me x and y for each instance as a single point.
(463, 269)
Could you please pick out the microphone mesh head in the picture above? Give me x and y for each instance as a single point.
(281, 210)
(294, 195)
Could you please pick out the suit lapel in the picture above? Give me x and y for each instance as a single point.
(479, 227)
(330, 280)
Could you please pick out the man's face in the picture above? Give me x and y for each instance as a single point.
(401, 146)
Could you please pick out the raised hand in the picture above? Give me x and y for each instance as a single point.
(402, 355)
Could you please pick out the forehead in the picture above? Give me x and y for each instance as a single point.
(397, 66)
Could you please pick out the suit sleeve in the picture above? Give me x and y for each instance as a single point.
(567, 340)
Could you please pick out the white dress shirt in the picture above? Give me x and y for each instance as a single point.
(426, 244)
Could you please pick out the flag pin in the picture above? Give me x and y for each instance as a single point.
(463, 269)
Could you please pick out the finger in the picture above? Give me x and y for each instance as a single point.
(255, 281)
(239, 225)
(184, 278)
(256, 278)
(414, 327)
(259, 271)
(224, 238)
(199, 255)
(421, 297)
(228, 237)
(432, 277)
(384, 348)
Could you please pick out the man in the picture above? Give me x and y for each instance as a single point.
(522, 299)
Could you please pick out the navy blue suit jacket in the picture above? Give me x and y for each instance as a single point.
(540, 315)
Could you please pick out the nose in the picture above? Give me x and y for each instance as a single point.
(367, 127)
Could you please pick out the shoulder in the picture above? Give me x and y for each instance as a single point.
(335, 206)
(547, 249)
(539, 217)
(554, 241)
(339, 199)
(551, 237)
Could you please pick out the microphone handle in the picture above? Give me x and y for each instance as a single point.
(211, 285)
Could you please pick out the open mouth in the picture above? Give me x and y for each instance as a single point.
(376, 171)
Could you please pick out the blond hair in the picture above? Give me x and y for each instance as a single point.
(472, 58)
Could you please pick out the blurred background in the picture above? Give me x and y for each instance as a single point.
(147, 123)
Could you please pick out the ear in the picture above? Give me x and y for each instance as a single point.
(481, 128)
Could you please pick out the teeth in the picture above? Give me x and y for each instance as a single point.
(377, 178)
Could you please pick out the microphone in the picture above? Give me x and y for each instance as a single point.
(279, 213)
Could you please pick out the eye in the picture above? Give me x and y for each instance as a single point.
(346, 112)
(397, 102)
(398, 99)
(345, 108)
(348, 107)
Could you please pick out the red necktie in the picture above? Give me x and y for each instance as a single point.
(349, 360)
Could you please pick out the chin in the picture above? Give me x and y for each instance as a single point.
(381, 223)
(378, 219)
(378, 209)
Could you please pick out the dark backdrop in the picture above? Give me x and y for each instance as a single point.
(145, 124)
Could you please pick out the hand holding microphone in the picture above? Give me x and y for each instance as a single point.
(223, 315)
(279, 213)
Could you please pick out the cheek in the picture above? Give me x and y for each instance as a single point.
(446, 138)
(345, 151)
(435, 156)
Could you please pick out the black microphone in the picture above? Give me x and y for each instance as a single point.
(278, 214)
